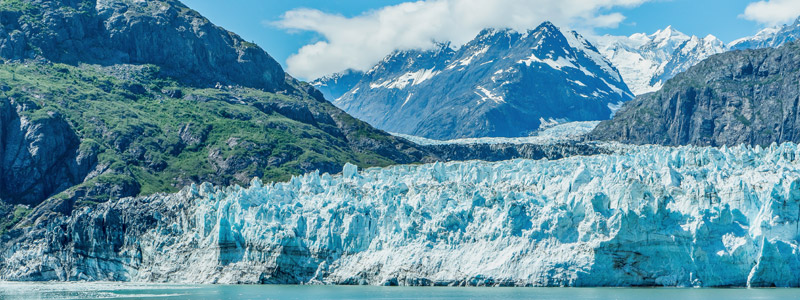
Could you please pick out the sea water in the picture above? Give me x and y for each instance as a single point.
(15, 290)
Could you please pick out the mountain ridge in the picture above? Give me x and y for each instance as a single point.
(737, 97)
(647, 61)
(499, 84)
(108, 32)
(769, 37)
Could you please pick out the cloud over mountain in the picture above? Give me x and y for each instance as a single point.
(772, 12)
(360, 42)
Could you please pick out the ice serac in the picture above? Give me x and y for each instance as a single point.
(503, 83)
(646, 62)
(647, 215)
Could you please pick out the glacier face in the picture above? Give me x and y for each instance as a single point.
(646, 215)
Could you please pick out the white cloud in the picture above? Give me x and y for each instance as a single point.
(772, 12)
(362, 41)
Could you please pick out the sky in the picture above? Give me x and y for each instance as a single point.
(315, 38)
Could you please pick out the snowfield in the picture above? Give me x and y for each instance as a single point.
(647, 215)
(558, 133)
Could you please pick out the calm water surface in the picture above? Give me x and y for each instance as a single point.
(9, 290)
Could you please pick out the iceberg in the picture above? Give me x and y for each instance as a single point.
(641, 216)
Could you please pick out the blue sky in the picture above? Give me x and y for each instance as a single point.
(248, 17)
(283, 36)
(693, 17)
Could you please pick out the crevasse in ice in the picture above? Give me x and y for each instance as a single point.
(648, 215)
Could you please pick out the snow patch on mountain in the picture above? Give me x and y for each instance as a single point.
(412, 78)
(488, 95)
(558, 64)
(762, 36)
(614, 107)
(468, 60)
(579, 43)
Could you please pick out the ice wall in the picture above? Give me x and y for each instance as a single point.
(647, 215)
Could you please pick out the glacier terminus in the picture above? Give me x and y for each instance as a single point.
(641, 216)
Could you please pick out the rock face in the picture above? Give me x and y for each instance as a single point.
(39, 156)
(769, 37)
(740, 97)
(501, 84)
(648, 215)
(163, 32)
(507, 151)
(647, 61)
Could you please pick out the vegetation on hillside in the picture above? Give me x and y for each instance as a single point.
(155, 135)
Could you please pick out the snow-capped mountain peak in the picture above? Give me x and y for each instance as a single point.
(335, 85)
(762, 35)
(499, 84)
(769, 37)
(667, 37)
(711, 38)
(645, 61)
(576, 41)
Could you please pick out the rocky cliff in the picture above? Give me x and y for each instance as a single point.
(40, 155)
(165, 33)
(739, 97)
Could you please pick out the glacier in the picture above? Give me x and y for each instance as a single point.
(565, 132)
(640, 216)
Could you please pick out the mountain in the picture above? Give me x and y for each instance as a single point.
(686, 55)
(769, 37)
(647, 61)
(336, 85)
(643, 216)
(107, 99)
(502, 84)
(738, 97)
(107, 32)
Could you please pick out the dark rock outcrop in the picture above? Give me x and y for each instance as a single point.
(165, 33)
(500, 152)
(739, 97)
(40, 155)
